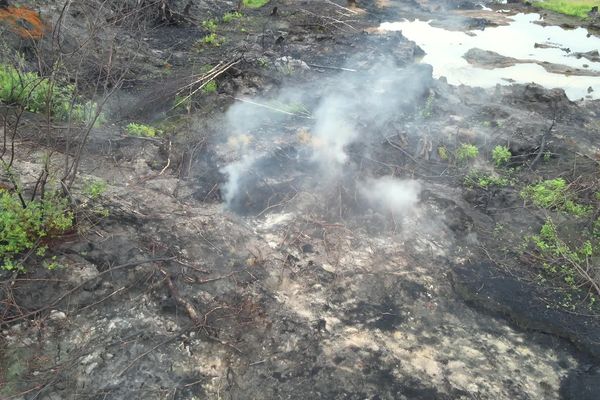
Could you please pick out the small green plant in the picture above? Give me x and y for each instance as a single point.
(501, 155)
(263, 62)
(547, 156)
(142, 130)
(466, 152)
(39, 94)
(94, 188)
(554, 194)
(213, 39)
(210, 87)
(22, 228)
(230, 16)
(569, 262)
(28, 89)
(255, 3)
(484, 181)
(210, 25)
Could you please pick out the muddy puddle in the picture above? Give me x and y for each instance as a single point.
(521, 52)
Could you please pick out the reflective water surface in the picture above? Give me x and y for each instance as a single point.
(445, 50)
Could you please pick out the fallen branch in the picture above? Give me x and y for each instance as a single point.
(334, 68)
(271, 108)
(205, 79)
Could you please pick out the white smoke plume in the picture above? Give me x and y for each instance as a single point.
(235, 173)
(344, 109)
(390, 194)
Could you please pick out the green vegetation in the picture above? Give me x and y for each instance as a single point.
(577, 8)
(211, 25)
(24, 226)
(94, 188)
(554, 194)
(263, 62)
(37, 94)
(571, 263)
(501, 155)
(230, 16)
(255, 3)
(213, 39)
(466, 152)
(484, 181)
(142, 130)
(210, 87)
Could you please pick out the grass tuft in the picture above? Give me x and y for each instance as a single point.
(576, 8)
(255, 3)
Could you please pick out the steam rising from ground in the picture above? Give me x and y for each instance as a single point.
(346, 109)
(391, 194)
(235, 173)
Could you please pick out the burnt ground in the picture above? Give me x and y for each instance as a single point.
(301, 289)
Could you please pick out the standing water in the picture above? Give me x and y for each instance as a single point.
(446, 49)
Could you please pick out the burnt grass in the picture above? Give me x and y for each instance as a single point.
(301, 288)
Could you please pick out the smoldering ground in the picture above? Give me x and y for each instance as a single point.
(298, 140)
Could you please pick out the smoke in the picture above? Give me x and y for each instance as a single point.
(235, 173)
(332, 134)
(329, 117)
(392, 195)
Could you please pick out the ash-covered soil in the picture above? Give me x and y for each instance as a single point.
(256, 251)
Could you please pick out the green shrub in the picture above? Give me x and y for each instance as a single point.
(210, 87)
(213, 39)
(230, 16)
(562, 259)
(31, 91)
(501, 155)
(210, 25)
(94, 188)
(22, 228)
(547, 194)
(466, 152)
(39, 94)
(484, 181)
(142, 130)
(554, 194)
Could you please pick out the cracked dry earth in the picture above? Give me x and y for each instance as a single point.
(292, 306)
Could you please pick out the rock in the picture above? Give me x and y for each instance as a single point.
(90, 368)
(591, 55)
(56, 315)
(80, 271)
(491, 60)
(287, 64)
